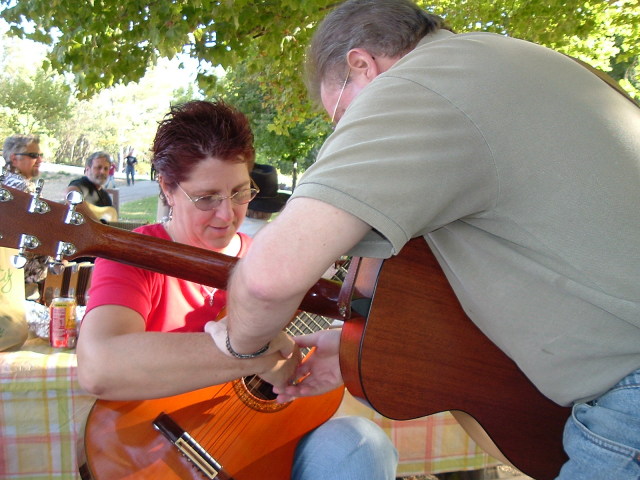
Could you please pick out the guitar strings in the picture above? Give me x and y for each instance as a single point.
(219, 434)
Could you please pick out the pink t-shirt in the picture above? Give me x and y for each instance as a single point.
(167, 304)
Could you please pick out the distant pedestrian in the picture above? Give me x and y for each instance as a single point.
(111, 181)
(130, 169)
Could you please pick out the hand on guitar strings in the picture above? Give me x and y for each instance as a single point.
(286, 354)
(319, 372)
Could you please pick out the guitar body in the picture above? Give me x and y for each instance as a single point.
(250, 438)
(107, 214)
(417, 353)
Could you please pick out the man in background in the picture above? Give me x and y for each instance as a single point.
(111, 182)
(91, 185)
(23, 157)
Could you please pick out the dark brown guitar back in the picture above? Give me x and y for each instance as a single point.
(418, 354)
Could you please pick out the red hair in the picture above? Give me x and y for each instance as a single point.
(197, 130)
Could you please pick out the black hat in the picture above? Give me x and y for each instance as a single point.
(269, 199)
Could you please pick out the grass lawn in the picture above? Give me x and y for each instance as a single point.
(139, 210)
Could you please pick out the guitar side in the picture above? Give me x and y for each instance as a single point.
(249, 440)
(417, 353)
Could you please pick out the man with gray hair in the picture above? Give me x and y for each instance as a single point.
(23, 157)
(96, 174)
(516, 166)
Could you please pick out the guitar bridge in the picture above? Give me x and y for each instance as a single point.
(190, 448)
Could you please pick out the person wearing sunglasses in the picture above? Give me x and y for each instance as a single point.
(142, 335)
(23, 157)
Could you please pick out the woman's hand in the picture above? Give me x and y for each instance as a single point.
(320, 370)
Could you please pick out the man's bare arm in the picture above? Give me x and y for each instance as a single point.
(285, 260)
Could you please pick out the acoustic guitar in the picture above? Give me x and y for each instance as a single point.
(230, 431)
(44, 227)
(410, 351)
(414, 352)
(105, 214)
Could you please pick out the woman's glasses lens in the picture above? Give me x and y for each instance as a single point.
(209, 202)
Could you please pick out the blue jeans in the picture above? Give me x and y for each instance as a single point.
(345, 448)
(602, 437)
(130, 172)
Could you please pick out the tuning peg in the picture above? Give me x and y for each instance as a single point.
(73, 217)
(37, 204)
(26, 242)
(65, 249)
(18, 261)
(5, 195)
(56, 268)
(39, 186)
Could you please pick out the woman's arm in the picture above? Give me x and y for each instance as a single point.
(119, 360)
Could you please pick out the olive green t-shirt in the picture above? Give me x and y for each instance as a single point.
(522, 170)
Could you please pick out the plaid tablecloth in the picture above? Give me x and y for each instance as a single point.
(432, 444)
(42, 411)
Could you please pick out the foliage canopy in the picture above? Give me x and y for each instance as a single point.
(106, 42)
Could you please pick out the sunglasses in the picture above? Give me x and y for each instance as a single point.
(31, 154)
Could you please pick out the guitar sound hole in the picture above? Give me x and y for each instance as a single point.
(259, 388)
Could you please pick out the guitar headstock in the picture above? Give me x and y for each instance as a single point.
(32, 224)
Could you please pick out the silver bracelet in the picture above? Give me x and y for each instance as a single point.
(245, 355)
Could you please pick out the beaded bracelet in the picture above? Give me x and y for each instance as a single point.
(245, 355)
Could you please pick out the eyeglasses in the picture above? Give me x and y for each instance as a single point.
(31, 154)
(209, 202)
(344, 84)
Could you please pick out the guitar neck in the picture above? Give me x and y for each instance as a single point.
(48, 226)
(162, 256)
(194, 264)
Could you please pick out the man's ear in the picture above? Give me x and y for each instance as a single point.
(363, 65)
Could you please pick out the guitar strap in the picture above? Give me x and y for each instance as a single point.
(348, 286)
(606, 78)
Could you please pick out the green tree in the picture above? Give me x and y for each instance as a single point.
(292, 150)
(32, 100)
(114, 41)
(114, 119)
(123, 117)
